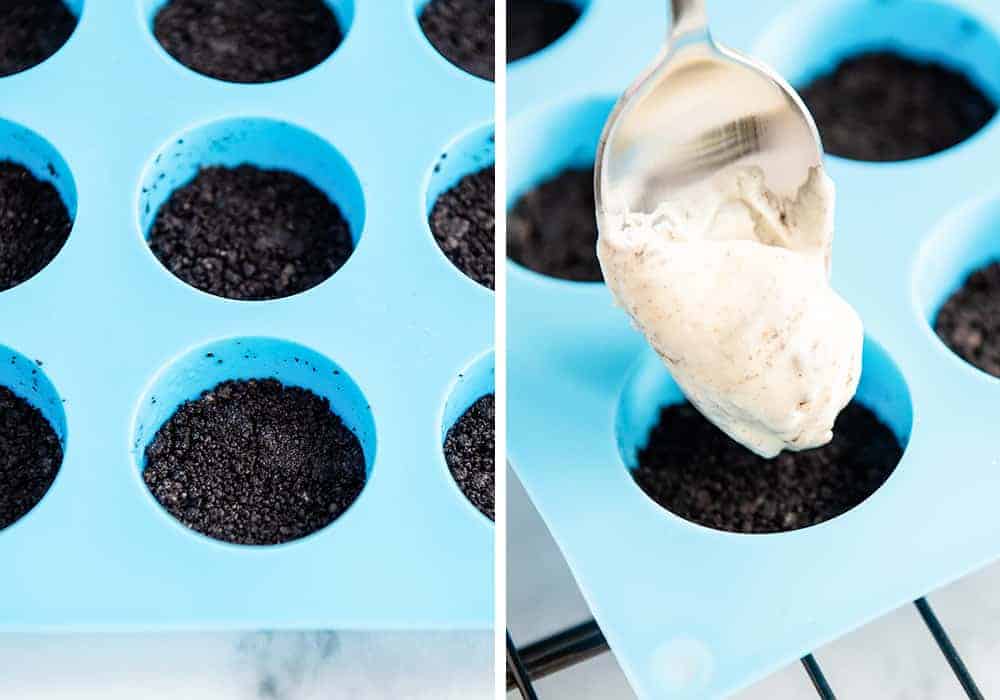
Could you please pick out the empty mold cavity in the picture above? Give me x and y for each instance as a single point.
(27, 149)
(649, 388)
(462, 223)
(534, 25)
(966, 241)
(32, 31)
(269, 57)
(199, 370)
(475, 382)
(263, 143)
(550, 149)
(26, 379)
(813, 38)
(461, 32)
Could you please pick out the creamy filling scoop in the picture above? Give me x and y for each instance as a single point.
(729, 283)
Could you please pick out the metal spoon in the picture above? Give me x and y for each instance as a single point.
(698, 109)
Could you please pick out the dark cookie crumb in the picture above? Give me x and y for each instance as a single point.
(255, 462)
(251, 234)
(30, 457)
(534, 24)
(969, 321)
(248, 41)
(34, 224)
(462, 31)
(552, 229)
(882, 106)
(468, 449)
(696, 471)
(31, 31)
(463, 223)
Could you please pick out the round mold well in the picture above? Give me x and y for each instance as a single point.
(965, 241)
(24, 147)
(27, 379)
(343, 10)
(649, 387)
(547, 141)
(473, 383)
(418, 8)
(811, 38)
(76, 9)
(201, 369)
(470, 152)
(581, 6)
(264, 143)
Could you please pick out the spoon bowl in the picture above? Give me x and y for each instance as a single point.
(699, 109)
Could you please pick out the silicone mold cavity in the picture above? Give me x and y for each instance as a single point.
(20, 145)
(24, 147)
(966, 240)
(582, 6)
(207, 366)
(265, 143)
(544, 142)
(465, 155)
(810, 39)
(26, 378)
(76, 8)
(650, 387)
(472, 384)
(343, 10)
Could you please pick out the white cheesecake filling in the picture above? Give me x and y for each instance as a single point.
(730, 284)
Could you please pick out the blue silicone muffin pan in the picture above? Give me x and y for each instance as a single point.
(696, 613)
(107, 343)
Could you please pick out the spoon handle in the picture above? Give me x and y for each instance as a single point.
(688, 17)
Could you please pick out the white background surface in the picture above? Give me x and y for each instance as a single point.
(894, 658)
(228, 666)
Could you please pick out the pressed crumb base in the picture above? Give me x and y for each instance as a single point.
(469, 451)
(969, 321)
(30, 456)
(255, 462)
(462, 31)
(248, 41)
(34, 224)
(31, 31)
(696, 471)
(534, 24)
(463, 223)
(552, 229)
(882, 106)
(250, 234)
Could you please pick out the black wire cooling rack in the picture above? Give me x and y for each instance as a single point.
(575, 645)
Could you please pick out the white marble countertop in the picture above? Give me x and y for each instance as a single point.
(893, 658)
(253, 666)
